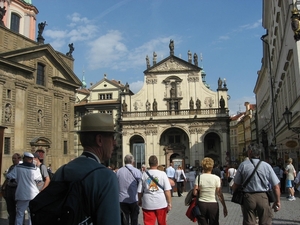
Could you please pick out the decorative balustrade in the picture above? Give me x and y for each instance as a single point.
(184, 112)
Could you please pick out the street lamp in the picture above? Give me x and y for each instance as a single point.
(287, 116)
(296, 20)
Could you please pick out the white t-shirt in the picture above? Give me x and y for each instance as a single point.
(208, 185)
(231, 172)
(153, 196)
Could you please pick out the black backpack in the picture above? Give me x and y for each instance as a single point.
(50, 173)
(61, 203)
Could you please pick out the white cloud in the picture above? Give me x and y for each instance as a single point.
(55, 34)
(109, 50)
(81, 29)
(106, 50)
(253, 25)
(224, 37)
(136, 86)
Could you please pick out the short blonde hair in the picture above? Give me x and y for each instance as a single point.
(207, 164)
(290, 160)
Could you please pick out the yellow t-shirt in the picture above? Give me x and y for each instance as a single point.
(208, 185)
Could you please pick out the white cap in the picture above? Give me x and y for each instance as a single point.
(28, 154)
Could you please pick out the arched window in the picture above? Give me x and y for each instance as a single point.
(40, 78)
(15, 22)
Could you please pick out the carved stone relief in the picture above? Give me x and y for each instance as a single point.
(209, 102)
(8, 112)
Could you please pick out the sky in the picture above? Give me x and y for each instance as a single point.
(114, 37)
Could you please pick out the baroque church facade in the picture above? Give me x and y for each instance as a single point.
(175, 115)
(37, 86)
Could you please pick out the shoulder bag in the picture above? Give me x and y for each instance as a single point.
(193, 210)
(196, 210)
(238, 194)
(181, 176)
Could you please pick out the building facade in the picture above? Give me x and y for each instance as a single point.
(102, 97)
(278, 83)
(175, 115)
(37, 86)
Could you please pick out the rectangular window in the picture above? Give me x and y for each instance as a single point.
(104, 96)
(15, 22)
(65, 147)
(7, 145)
(40, 79)
(8, 94)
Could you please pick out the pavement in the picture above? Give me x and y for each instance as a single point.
(288, 215)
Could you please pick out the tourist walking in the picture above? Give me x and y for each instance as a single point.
(255, 199)
(154, 194)
(129, 178)
(290, 176)
(27, 175)
(209, 189)
(10, 191)
(171, 175)
(180, 179)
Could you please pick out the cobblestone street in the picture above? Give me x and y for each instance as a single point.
(288, 215)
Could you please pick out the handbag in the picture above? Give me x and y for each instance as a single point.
(189, 197)
(271, 195)
(238, 194)
(196, 210)
(189, 213)
(193, 212)
(3, 188)
(181, 176)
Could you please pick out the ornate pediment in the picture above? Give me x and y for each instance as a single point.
(172, 64)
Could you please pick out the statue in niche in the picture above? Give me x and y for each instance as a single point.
(195, 59)
(147, 61)
(8, 112)
(154, 106)
(2, 14)
(222, 103)
(71, 50)
(220, 83)
(148, 105)
(171, 46)
(40, 117)
(124, 106)
(191, 103)
(172, 92)
(66, 120)
(198, 103)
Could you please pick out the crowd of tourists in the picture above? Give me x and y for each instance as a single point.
(117, 195)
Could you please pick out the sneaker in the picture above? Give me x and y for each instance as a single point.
(288, 196)
(292, 198)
